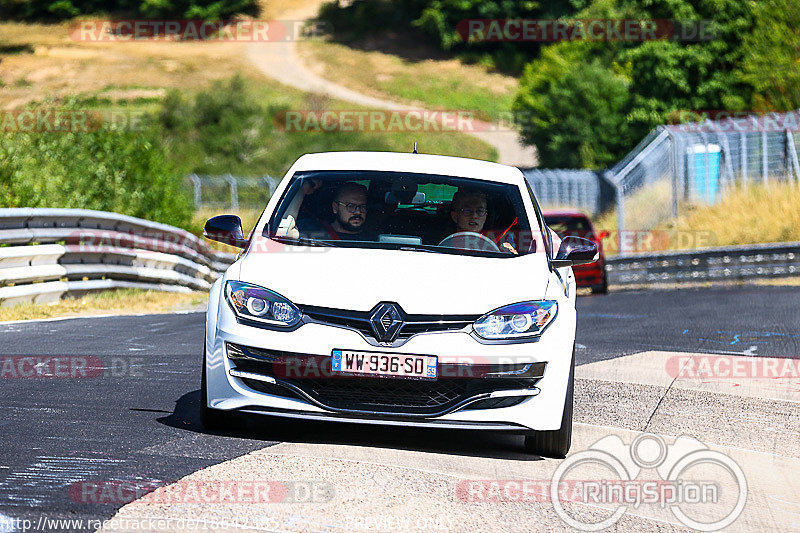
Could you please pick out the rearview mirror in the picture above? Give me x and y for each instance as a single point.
(225, 229)
(575, 251)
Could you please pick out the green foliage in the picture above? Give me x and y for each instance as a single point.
(663, 76)
(771, 56)
(66, 9)
(235, 127)
(110, 170)
(440, 21)
(565, 121)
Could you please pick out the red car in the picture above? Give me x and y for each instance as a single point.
(576, 224)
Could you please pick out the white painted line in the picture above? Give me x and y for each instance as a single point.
(58, 319)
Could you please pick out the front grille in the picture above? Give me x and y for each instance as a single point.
(379, 395)
(413, 324)
(399, 395)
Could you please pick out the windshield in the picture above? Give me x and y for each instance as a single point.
(407, 211)
(569, 226)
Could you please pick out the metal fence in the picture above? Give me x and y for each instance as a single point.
(232, 192)
(731, 263)
(697, 162)
(582, 189)
(48, 253)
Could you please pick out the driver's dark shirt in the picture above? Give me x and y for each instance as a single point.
(324, 231)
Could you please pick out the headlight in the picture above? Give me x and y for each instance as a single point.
(516, 321)
(261, 305)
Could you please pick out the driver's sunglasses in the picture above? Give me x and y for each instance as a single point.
(479, 212)
(352, 208)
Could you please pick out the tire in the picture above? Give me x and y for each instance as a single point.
(212, 419)
(603, 287)
(555, 443)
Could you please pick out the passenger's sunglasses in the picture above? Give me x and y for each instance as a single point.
(352, 208)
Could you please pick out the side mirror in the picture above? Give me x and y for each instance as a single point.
(603, 235)
(225, 229)
(575, 251)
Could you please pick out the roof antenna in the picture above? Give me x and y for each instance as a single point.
(415, 148)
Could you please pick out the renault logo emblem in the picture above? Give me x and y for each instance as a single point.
(386, 320)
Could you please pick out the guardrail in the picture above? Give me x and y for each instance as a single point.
(46, 254)
(732, 263)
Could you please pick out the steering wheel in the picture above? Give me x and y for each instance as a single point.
(469, 240)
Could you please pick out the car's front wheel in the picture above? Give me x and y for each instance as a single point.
(555, 443)
(212, 419)
(603, 287)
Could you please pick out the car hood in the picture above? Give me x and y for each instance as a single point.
(420, 282)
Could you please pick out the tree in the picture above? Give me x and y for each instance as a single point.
(771, 56)
(577, 119)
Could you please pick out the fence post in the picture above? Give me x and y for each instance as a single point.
(764, 163)
(673, 161)
(270, 184)
(793, 155)
(743, 152)
(620, 214)
(234, 192)
(198, 198)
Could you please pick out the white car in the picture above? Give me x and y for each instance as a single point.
(397, 289)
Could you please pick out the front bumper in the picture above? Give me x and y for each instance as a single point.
(537, 404)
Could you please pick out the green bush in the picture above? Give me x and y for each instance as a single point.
(49, 10)
(125, 172)
(439, 20)
(662, 77)
(579, 119)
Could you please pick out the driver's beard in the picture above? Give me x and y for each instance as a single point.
(350, 228)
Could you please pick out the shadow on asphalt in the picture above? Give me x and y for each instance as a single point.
(488, 444)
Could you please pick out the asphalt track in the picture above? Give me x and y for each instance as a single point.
(137, 420)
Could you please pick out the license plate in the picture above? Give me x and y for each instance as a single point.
(383, 364)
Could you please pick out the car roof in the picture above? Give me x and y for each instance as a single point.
(408, 162)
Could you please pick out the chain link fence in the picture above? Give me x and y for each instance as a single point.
(585, 190)
(697, 162)
(232, 192)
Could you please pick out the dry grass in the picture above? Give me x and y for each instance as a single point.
(59, 66)
(644, 209)
(116, 302)
(431, 83)
(749, 214)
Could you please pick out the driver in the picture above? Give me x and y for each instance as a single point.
(349, 210)
(469, 210)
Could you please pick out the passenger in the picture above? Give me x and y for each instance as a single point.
(469, 210)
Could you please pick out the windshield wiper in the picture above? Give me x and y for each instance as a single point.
(302, 240)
